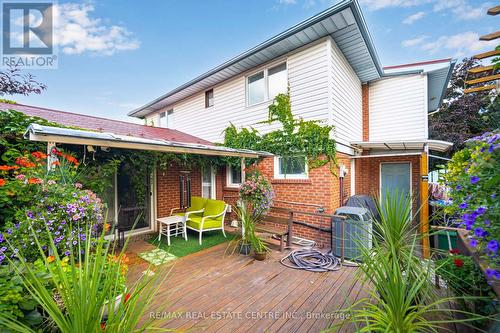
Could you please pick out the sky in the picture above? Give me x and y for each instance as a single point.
(114, 56)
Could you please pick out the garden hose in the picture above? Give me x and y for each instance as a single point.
(312, 260)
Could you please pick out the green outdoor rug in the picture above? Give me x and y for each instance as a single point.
(157, 256)
(180, 248)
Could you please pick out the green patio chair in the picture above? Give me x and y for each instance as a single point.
(196, 208)
(212, 219)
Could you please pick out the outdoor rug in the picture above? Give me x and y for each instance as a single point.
(157, 256)
(180, 248)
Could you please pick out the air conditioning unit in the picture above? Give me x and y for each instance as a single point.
(357, 232)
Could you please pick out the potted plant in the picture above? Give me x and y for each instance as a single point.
(246, 225)
(260, 248)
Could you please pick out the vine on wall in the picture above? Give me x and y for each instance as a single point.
(296, 138)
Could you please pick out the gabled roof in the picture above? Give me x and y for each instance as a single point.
(344, 22)
(438, 75)
(105, 125)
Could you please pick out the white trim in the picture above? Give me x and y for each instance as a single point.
(426, 106)
(380, 176)
(265, 71)
(353, 177)
(387, 155)
(278, 175)
(229, 178)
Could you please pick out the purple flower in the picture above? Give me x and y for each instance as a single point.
(30, 215)
(1, 238)
(67, 253)
(489, 272)
(463, 205)
(473, 242)
(459, 187)
(487, 223)
(481, 210)
(493, 245)
(493, 196)
(3, 249)
(480, 232)
(491, 148)
(474, 179)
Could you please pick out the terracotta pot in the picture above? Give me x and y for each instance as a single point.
(260, 255)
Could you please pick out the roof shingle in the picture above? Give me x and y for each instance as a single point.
(104, 124)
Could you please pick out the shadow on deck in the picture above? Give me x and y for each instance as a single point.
(211, 292)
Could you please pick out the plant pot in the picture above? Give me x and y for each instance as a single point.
(114, 306)
(245, 249)
(260, 255)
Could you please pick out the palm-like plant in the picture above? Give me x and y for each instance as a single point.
(86, 293)
(402, 297)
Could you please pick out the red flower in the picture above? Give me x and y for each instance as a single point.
(127, 297)
(458, 262)
(34, 180)
(103, 326)
(2, 182)
(56, 163)
(454, 251)
(8, 167)
(56, 152)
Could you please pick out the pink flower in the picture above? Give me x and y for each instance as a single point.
(51, 182)
(78, 185)
(20, 177)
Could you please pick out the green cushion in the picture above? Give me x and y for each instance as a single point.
(197, 203)
(195, 221)
(214, 207)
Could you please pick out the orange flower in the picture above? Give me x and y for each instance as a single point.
(71, 159)
(103, 326)
(127, 297)
(2, 182)
(56, 163)
(50, 258)
(106, 227)
(56, 152)
(38, 155)
(21, 161)
(34, 180)
(8, 167)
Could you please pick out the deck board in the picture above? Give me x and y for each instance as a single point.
(234, 293)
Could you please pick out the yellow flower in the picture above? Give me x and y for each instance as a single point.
(50, 259)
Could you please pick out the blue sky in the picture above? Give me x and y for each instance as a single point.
(117, 55)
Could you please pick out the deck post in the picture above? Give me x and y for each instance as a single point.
(50, 160)
(424, 202)
(243, 167)
(290, 230)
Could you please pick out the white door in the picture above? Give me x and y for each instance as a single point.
(208, 182)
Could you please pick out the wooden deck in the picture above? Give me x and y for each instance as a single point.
(212, 292)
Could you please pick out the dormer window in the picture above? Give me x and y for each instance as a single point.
(166, 119)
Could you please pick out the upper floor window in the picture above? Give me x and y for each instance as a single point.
(266, 84)
(166, 119)
(233, 176)
(290, 167)
(209, 98)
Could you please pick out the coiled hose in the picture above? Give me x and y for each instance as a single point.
(312, 260)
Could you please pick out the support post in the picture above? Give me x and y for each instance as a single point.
(243, 167)
(50, 160)
(424, 202)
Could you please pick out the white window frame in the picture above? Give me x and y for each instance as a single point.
(229, 177)
(213, 190)
(169, 118)
(279, 175)
(266, 82)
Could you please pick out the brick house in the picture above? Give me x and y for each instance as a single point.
(330, 66)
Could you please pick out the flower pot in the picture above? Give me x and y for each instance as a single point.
(260, 255)
(245, 249)
(114, 306)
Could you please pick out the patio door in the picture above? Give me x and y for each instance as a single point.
(395, 177)
(133, 197)
(208, 182)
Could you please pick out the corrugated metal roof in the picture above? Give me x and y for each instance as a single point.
(343, 22)
(41, 133)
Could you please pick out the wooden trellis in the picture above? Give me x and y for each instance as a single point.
(491, 77)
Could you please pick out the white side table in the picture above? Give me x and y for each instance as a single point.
(172, 226)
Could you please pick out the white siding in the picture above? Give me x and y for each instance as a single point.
(398, 108)
(345, 100)
(308, 70)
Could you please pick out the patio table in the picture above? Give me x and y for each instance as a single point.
(172, 226)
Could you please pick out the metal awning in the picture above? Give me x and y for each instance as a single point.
(435, 145)
(37, 132)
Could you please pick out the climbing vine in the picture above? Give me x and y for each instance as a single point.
(297, 137)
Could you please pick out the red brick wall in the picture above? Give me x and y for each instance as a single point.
(368, 175)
